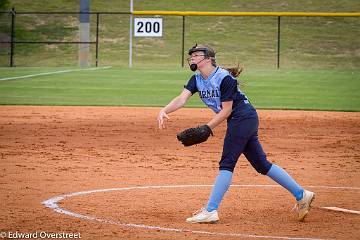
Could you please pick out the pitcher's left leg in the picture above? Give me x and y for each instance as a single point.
(257, 157)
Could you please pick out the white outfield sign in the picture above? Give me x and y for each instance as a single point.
(148, 27)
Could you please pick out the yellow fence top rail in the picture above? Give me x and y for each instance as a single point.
(294, 14)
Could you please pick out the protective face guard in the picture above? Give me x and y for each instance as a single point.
(208, 53)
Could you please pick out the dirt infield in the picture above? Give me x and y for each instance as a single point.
(51, 151)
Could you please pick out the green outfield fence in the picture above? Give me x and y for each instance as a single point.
(16, 35)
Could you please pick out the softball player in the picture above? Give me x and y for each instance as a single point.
(218, 89)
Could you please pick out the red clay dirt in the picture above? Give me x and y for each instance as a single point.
(52, 151)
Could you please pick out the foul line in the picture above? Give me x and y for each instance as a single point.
(342, 210)
(56, 72)
(52, 203)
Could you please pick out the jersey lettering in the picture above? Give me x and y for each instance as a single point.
(209, 89)
(214, 93)
(213, 90)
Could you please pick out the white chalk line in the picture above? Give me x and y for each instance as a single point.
(52, 203)
(341, 210)
(56, 72)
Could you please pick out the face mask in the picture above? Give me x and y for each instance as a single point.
(193, 67)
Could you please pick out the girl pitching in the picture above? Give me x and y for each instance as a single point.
(218, 89)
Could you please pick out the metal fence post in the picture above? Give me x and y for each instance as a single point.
(97, 40)
(183, 41)
(13, 13)
(278, 42)
(130, 32)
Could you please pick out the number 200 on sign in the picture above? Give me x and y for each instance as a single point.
(148, 27)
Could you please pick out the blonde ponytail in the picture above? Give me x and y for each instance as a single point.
(235, 71)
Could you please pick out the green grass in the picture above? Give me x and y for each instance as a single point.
(320, 57)
(267, 89)
(306, 42)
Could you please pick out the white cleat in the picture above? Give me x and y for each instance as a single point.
(303, 206)
(203, 216)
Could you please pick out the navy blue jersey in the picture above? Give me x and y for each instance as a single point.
(219, 87)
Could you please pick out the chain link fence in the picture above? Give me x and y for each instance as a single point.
(52, 39)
